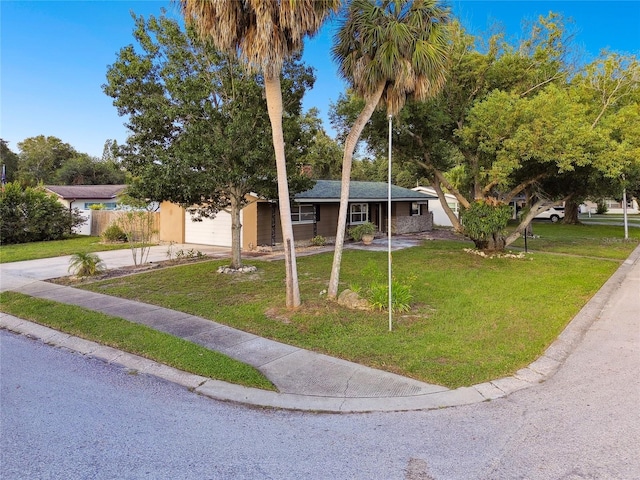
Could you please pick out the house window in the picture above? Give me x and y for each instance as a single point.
(303, 213)
(105, 206)
(358, 213)
(415, 209)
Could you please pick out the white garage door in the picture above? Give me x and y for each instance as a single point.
(210, 231)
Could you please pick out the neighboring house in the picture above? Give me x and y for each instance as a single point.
(83, 197)
(613, 206)
(314, 212)
(435, 206)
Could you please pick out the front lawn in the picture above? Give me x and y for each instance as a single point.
(56, 248)
(473, 319)
(601, 241)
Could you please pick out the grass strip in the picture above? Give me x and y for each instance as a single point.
(133, 338)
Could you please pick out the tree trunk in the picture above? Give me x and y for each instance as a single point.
(525, 223)
(274, 106)
(495, 243)
(453, 218)
(349, 148)
(571, 212)
(236, 226)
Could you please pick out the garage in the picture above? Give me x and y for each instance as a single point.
(210, 231)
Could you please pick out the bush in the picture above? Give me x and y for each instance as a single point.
(86, 264)
(114, 233)
(485, 222)
(367, 228)
(318, 241)
(32, 215)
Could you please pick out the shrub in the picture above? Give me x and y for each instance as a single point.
(356, 233)
(318, 241)
(32, 215)
(114, 233)
(86, 264)
(485, 222)
(136, 219)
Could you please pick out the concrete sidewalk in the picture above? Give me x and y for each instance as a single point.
(305, 380)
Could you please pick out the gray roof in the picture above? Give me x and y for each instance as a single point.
(73, 192)
(329, 191)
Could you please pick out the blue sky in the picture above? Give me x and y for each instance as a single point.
(54, 56)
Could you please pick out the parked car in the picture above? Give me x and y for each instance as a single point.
(554, 214)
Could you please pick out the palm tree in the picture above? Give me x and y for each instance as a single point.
(388, 51)
(86, 264)
(264, 33)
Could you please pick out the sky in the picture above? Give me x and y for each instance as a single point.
(54, 57)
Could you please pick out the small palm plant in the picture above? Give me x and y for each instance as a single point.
(86, 264)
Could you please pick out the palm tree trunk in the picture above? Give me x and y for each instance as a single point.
(274, 106)
(349, 148)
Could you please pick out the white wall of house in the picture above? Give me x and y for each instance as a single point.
(440, 217)
(210, 231)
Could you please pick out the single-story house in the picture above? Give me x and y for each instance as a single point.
(313, 213)
(83, 197)
(613, 206)
(435, 206)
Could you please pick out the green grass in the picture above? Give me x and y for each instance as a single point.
(600, 241)
(57, 248)
(633, 220)
(473, 319)
(130, 337)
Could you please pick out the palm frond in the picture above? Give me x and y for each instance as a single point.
(404, 43)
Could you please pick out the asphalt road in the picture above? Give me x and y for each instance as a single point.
(65, 416)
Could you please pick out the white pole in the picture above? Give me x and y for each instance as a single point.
(624, 210)
(389, 226)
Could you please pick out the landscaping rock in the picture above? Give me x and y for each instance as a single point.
(352, 300)
(243, 269)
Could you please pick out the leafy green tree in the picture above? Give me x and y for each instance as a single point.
(85, 170)
(388, 51)
(199, 128)
(323, 155)
(9, 159)
(265, 33)
(610, 88)
(40, 157)
(509, 123)
(31, 215)
(110, 151)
